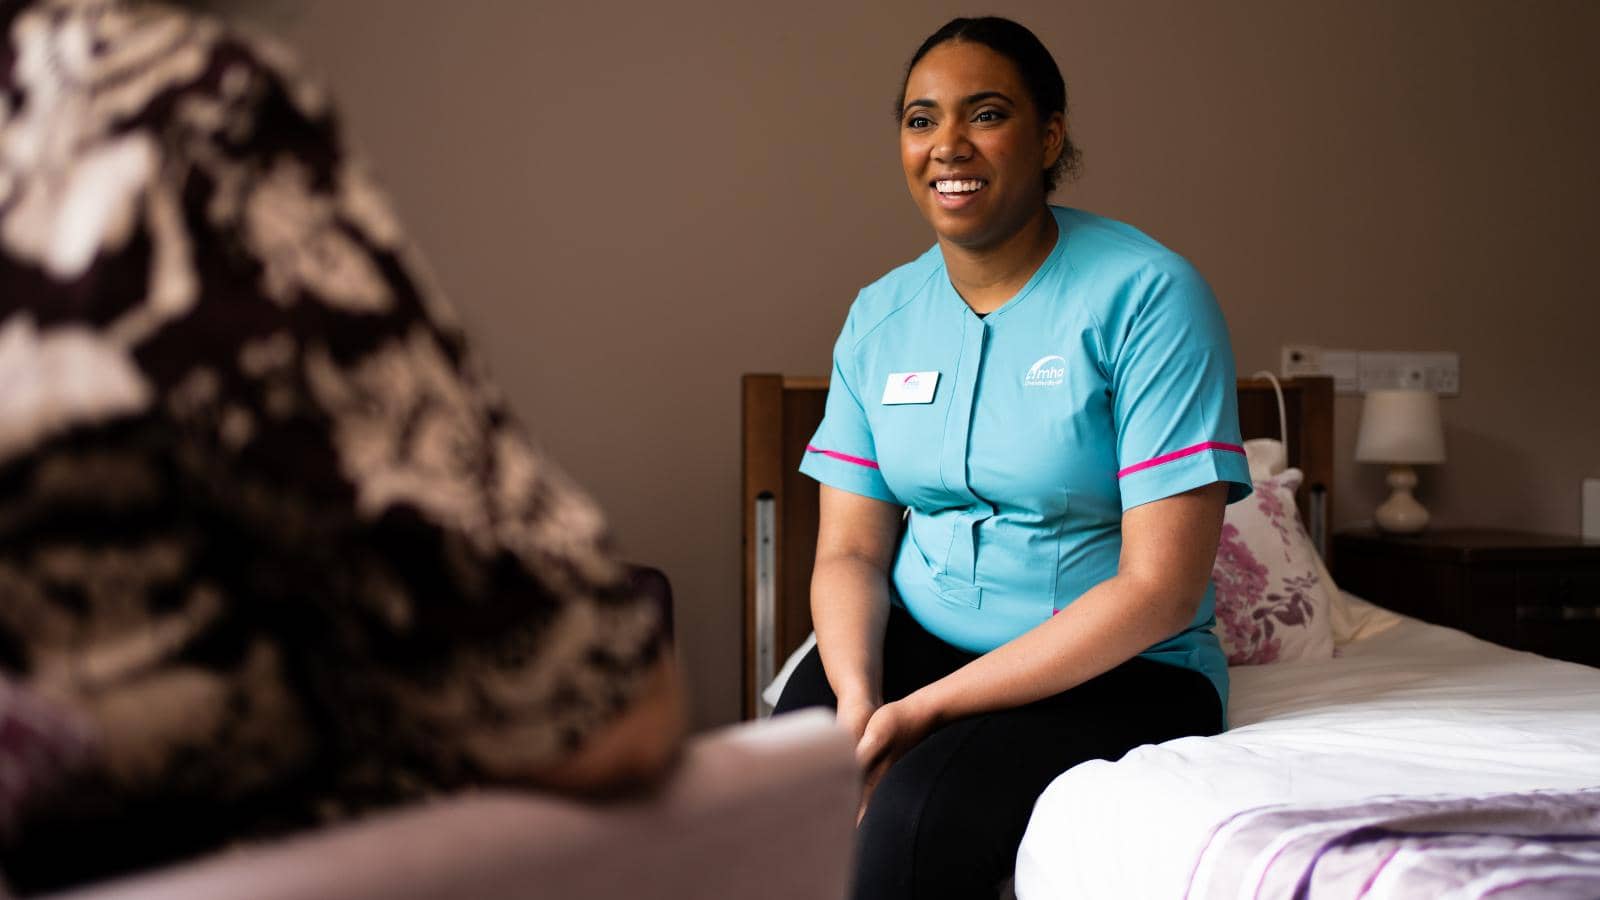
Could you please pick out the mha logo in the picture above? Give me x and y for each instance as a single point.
(1047, 372)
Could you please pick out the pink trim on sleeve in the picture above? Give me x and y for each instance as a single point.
(1179, 454)
(843, 457)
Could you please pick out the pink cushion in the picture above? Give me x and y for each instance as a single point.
(1274, 595)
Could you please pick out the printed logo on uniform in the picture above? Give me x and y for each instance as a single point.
(1047, 372)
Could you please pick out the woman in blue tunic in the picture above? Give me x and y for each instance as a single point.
(1030, 437)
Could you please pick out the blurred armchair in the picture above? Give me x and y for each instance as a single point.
(757, 810)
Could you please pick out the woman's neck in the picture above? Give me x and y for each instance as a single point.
(986, 278)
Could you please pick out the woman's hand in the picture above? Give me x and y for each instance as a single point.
(891, 733)
(853, 713)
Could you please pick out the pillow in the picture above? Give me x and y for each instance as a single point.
(1266, 457)
(1274, 597)
(1354, 619)
(775, 689)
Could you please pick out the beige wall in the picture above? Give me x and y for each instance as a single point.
(634, 203)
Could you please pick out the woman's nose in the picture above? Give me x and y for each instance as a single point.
(951, 145)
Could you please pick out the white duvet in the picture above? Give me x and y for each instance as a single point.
(1413, 710)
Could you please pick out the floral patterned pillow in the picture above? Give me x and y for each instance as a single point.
(1274, 595)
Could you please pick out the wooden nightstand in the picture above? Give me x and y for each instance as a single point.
(1529, 591)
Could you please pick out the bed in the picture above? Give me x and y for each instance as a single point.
(1415, 709)
(1405, 710)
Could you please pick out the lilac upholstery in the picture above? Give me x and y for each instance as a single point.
(756, 810)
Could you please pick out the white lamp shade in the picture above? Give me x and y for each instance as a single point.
(1401, 427)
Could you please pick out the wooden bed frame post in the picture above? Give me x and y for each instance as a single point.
(1316, 460)
(780, 522)
(762, 482)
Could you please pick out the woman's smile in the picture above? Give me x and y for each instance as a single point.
(957, 193)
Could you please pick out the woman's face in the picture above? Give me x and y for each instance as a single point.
(972, 146)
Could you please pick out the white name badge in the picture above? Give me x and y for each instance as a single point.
(910, 387)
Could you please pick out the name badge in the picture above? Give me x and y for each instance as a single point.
(910, 387)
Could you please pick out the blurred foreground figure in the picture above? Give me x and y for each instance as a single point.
(272, 551)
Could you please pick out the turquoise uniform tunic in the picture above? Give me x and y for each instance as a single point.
(1018, 439)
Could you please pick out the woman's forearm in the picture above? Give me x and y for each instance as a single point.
(849, 610)
(1167, 552)
(1110, 624)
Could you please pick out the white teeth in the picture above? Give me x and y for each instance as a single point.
(953, 186)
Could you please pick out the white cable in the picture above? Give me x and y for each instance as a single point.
(1283, 419)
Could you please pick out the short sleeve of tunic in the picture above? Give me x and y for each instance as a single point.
(841, 454)
(1174, 397)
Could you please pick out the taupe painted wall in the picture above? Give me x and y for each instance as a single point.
(634, 203)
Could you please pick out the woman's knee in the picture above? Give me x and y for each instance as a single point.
(886, 839)
(946, 819)
(897, 803)
(920, 838)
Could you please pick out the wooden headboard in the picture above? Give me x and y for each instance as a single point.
(780, 505)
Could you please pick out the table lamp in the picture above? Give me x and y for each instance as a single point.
(1401, 428)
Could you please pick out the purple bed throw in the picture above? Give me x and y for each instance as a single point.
(1541, 845)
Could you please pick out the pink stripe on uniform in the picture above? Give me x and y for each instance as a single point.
(845, 457)
(1179, 454)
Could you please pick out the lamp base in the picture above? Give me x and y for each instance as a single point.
(1401, 513)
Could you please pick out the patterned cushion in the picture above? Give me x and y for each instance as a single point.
(41, 743)
(1274, 595)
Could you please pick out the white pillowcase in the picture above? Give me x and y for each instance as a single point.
(775, 689)
(1354, 619)
(1266, 458)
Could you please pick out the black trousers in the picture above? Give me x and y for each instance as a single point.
(946, 819)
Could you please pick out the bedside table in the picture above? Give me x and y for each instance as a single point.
(1528, 591)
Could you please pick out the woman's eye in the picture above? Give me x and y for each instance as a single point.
(918, 122)
(988, 115)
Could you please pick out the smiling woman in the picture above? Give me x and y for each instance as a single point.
(1065, 460)
(1045, 89)
(975, 160)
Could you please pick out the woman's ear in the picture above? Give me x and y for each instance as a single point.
(1054, 133)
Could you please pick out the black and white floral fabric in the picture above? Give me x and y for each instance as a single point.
(262, 519)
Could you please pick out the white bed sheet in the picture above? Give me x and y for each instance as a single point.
(1413, 710)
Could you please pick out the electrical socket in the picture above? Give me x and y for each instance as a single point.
(1356, 372)
(1437, 372)
(1343, 365)
(1300, 359)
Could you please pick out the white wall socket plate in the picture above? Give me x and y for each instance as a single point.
(1343, 365)
(1359, 371)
